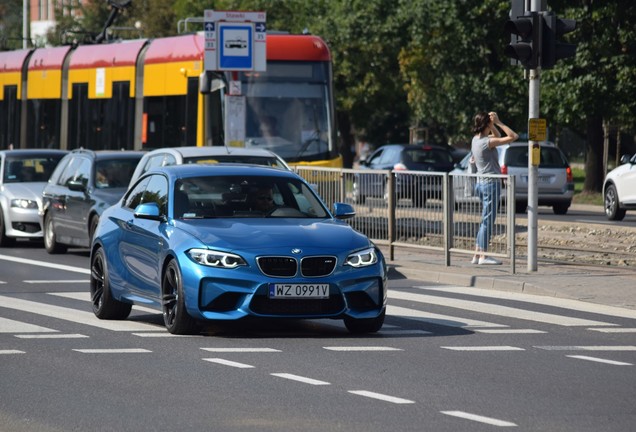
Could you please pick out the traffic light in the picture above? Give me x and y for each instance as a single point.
(525, 41)
(553, 49)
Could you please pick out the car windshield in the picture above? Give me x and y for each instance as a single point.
(31, 168)
(245, 197)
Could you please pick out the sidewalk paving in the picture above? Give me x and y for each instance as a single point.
(612, 286)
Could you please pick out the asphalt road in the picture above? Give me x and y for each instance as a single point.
(447, 359)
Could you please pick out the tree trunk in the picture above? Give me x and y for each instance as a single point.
(347, 140)
(594, 155)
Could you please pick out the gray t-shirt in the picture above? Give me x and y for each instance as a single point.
(486, 159)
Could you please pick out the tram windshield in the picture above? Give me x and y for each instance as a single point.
(288, 110)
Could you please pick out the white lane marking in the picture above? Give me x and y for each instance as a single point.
(86, 296)
(483, 348)
(509, 331)
(56, 281)
(589, 348)
(163, 335)
(11, 352)
(46, 264)
(576, 305)
(113, 351)
(600, 360)
(498, 310)
(481, 419)
(241, 350)
(300, 379)
(73, 315)
(52, 336)
(380, 396)
(614, 330)
(444, 320)
(362, 348)
(228, 363)
(11, 326)
(404, 332)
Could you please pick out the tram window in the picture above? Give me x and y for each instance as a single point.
(9, 118)
(44, 114)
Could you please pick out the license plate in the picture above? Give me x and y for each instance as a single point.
(312, 291)
(540, 179)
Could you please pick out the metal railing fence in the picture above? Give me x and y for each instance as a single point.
(424, 210)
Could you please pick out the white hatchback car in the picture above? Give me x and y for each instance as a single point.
(554, 180)
(619, 189)
(207, 154)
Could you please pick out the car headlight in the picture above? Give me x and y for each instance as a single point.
(214, 258)
(24, 203)
(362, 258)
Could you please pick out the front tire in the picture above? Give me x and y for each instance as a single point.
(365, 325)
(175, 315)
(104, 305)
(612, 206)
(50, 241)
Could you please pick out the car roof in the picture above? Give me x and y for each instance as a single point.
(223, 169)
(194, 151)
(29, 152)
(109, 154)
(418, 146)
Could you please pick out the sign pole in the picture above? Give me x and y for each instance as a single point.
(533, 158)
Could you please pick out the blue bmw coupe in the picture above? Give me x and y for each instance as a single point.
(224, 242)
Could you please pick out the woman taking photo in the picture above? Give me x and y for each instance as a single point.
(484, 148)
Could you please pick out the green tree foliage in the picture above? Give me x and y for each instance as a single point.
(454, 67)
(10, 24)
(599, 84)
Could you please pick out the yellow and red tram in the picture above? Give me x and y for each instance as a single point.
(147, 93)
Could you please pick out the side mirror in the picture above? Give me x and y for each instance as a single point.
(149, 211)
(76, 185)
(343, 211)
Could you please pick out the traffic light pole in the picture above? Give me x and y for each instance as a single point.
(534, 88)
(533, 169)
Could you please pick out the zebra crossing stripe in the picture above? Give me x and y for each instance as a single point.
(493, 309)
(73, 315)
(444, 320)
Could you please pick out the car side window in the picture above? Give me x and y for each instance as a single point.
(134, 196)
(83, 173)
(157, 192)
(69, 172)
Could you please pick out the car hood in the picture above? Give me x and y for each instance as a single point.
(32, 191)
(253, 234)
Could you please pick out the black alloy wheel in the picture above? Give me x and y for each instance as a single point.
(175, 315)
(104, 305)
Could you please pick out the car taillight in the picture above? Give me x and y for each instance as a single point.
(568, 173)
(400, 167)
(504, 169)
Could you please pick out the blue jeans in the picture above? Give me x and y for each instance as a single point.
(489, 190)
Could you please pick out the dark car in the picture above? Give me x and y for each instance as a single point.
(403, 158)
(84, 184)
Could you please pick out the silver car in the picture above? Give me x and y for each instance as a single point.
(23, 175)
(208, 154)
(555, 181)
